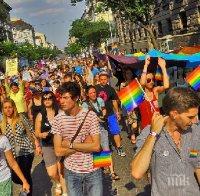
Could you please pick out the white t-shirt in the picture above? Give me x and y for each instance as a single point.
(4, 169)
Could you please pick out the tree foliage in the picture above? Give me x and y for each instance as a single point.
(73, 49)
(136, 11)
(26, 50)
(90, 33)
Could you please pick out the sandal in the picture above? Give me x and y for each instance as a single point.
(58, 189)
(114, 176)
(106, 170)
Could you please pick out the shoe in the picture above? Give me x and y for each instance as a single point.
(120, 152)
(106, 170)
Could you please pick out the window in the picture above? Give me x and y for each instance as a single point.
(165, 6)
(178, 1)
(169, 25)
(155, 33)
(134, 34)
(145, 32)
(183, 18)
(139, 33)
(160, 31)
(156, 10)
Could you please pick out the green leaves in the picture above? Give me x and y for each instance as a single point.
(8, 49)
(73, 49)
(88, 32)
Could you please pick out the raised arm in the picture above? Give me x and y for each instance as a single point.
(141, 161)
(162, 64)
(30, 115)
(21, 84)
(144, 72)
(7, 87)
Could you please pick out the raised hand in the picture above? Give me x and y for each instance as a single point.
(158, 122)
(147, 60)
(161, 62)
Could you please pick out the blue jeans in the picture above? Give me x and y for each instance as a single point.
(89, 184)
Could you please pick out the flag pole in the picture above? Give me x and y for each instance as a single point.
(152, 106)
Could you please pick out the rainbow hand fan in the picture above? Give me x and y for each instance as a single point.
(101, 159)
(194, 78)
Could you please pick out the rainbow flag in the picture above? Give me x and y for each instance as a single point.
(193, 153)
(194, 78)
(158, 75)
(101, 159)
(131, 96)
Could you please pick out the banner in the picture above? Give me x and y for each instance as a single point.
(11, 67)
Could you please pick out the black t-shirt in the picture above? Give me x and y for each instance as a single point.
(108, 94)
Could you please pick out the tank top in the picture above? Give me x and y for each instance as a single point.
(35, 109)
(146, 111)
(46, 127)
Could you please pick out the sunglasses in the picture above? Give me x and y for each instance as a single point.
(47, 98)
(150, 80)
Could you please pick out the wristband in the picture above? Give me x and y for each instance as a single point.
(144, 72)
(154, 134)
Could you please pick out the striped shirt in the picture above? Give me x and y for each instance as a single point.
(67, 126)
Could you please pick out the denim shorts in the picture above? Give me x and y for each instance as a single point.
(113, 125)
(49, 156)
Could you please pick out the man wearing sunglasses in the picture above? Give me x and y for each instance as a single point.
(152, 92)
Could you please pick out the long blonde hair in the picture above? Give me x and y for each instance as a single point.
(15, 116)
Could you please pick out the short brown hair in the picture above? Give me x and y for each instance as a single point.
(180, 99)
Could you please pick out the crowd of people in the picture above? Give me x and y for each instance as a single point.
(66, 110)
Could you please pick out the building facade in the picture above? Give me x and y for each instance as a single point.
(176, 24)
(95, 12)
(22, 32)
(41, 40)
(5, 27)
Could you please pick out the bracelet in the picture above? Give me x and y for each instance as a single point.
(154, 134)
(144, 72)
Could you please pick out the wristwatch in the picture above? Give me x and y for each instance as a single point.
(71, 146)
(152, 133)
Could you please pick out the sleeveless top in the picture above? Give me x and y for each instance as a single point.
(35, 109)
(46, 127)
(146, 111)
